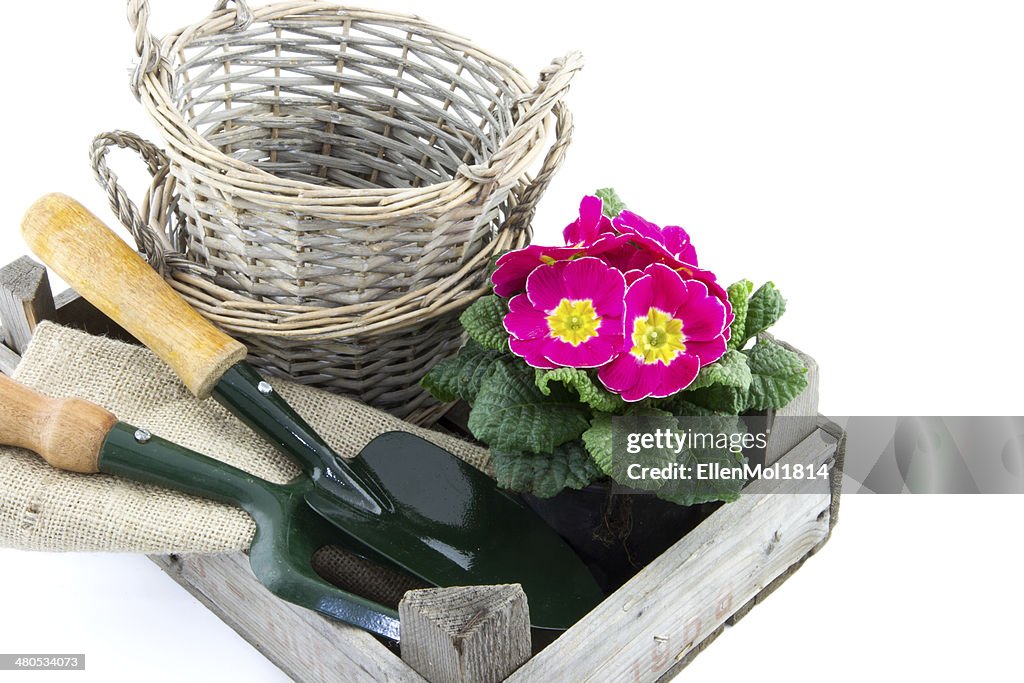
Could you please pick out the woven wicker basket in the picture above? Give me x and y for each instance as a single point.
(336, 183)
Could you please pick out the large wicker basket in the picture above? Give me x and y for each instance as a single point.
(336, 183)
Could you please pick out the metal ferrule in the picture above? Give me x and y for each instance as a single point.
(245, 394)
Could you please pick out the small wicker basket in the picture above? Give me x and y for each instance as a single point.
(336, 183)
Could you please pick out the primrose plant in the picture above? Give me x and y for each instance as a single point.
(620, 321)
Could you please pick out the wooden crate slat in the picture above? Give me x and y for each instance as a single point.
(799, 417)
(306, 646)
(8, 360)
(685, 595)
(25, 301)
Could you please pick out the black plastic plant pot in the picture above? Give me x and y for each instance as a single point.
(616, 532)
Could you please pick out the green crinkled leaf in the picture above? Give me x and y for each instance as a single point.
(580, 381)
(610, 451)
(511, 414)
(544, 475)
(678, 405)
(718, 398)
(730, 370)
(612, 205)
(483, 322)
(460, 377)
(739, 297)
(598, 440)
(765, 308)
(694, 490)
(440, 381)
(778, 375)
(620, 457)
(640, 419)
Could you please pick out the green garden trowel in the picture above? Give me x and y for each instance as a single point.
(402, 500)
(78, 436)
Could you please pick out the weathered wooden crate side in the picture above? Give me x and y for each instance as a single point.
(285, 634)
(646, 631)
(678, 601)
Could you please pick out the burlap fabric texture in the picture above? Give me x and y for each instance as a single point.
(45, 509)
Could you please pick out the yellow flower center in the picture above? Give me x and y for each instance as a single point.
(574, 321)
(657, 337)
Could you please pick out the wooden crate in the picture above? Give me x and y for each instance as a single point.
(646, 631)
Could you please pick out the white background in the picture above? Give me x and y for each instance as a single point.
(868, 157)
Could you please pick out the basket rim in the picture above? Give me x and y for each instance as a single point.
(217, 168)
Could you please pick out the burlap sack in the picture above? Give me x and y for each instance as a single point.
(44, 509)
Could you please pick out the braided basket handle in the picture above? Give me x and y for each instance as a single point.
(147, 46)
(547, 96)
(521, 216)
(153, 244)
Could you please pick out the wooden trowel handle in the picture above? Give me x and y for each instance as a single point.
(68, 433)
(105, 270)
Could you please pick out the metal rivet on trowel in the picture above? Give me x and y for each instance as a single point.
(265, 388)
(142, 436)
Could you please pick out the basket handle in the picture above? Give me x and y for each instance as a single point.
(151, 243)
(551, 89)
(521, 216)
(147, 46)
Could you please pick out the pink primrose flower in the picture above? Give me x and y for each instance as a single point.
(673, 327)
(515, 266)
(671, 241)
(590, 225)
(570, 315)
